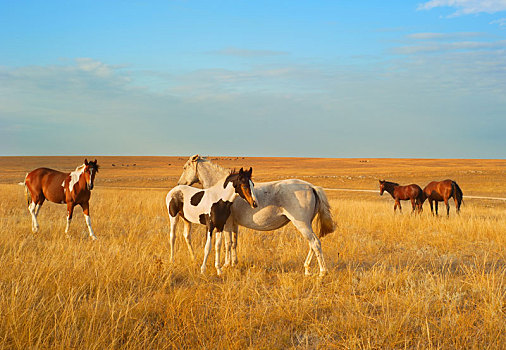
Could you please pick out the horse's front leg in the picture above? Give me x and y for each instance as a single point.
(228, 246)
(70, 211)
(413, 205)
(436, 205)
(398, 204)
(207, 248)
(218, 252)
(233, 251)
(86, 211)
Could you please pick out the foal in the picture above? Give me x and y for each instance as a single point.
(210, 207)
(72, 188)
(412, 192)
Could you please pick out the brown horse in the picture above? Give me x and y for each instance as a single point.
(72, 188)
(441, 191)
(412, 192)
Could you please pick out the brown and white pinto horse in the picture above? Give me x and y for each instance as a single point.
(72, 188)
(441, 191)
(412, 192)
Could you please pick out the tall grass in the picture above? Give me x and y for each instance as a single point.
(395, 281)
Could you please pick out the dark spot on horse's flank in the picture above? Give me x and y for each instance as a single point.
(220, 211)
(196, 198)
(203, 218)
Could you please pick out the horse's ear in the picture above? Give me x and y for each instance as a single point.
(95, 160)
(250, 171)
(241, 171)
(85, 161)
(381, 181)
(195, 157)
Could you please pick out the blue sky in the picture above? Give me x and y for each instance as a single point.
(423, 79)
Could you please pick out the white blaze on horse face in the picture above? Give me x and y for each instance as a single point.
(252, 190)
(75, 175)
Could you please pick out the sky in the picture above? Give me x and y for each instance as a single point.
(299, 78)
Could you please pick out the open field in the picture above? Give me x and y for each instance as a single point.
(395, 281)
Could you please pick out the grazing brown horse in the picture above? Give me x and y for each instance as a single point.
(412, 192)
(72, 188)
(441, 191)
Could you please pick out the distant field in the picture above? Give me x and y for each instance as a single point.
(395, 281)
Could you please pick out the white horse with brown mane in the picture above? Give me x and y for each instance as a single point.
(279, 202)
(210, 207)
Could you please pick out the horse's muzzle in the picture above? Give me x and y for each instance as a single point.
(90, 187)
(254, 205)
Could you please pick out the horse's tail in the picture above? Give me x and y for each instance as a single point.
(27, 192)
(458, 195)
(325, 223)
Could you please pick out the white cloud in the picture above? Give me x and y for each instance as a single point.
(466, 7)
(91, 107)
(443, 36)
(501, 22)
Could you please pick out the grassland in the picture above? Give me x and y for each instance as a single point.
(395, 281)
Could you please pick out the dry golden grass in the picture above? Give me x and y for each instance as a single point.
(395, 281)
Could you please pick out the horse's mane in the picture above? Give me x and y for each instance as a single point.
(215, 166)
(80, 167)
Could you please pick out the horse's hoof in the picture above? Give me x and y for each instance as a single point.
(323, 273)
(218, 271)
(202, 270)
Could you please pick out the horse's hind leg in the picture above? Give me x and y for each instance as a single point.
(447, 207)
(34, 211)
(413, 205)
(307, 263)
(188, 238)
(436, 205)
(172, 239)
(457, 205)
(34, 208)
(314, 244)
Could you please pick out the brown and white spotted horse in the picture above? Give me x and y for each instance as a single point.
(411, 192)
(210, 207)
(72, 188)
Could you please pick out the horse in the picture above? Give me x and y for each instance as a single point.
(72, 188)
(412, 192)
(210, 207)
(438, 191)
(279, 202)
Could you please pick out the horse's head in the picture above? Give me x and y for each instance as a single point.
(90, 170)
(243, 186)
(382, 186)
(189, 175)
